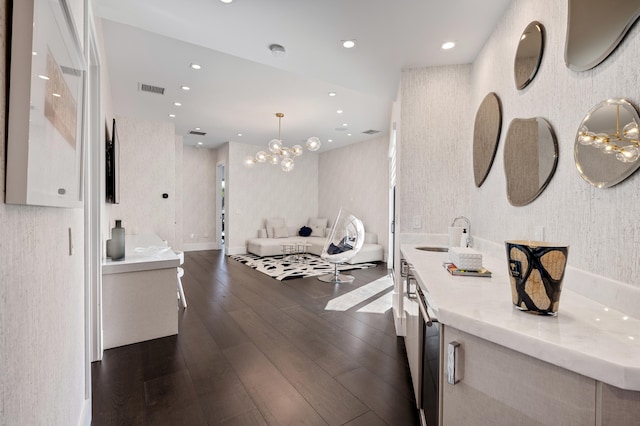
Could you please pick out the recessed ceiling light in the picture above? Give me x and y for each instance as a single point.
(34, 53)
(44, 77)
(239, 134)
(226, 1)
(172, 115)
(348, 44)
(199, 143)
(195, 66)
(177, 104)
(197, 128)
(185, 87)
(348, 134)
(329, 140)
(448, 45)
(57, 95)
(344, 124)
(332, 94)
(277, 50)
(339, 111)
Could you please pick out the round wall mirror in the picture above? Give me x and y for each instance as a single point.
(607, 150)
(528, 54)
(594, 30)
(486, 134)
(530, 159)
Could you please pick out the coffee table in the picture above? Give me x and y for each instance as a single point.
(295, 251)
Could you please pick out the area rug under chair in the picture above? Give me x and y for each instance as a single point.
(283, 269)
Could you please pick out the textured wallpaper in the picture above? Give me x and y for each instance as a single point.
(41, 302)
(199, 196)
(147, 170)
(357, 177)
(599, 224)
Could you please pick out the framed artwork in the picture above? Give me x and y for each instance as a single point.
(46, 107)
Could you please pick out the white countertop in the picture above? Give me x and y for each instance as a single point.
(586, 337)
(142, 253)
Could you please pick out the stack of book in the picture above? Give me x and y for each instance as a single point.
(454, 270)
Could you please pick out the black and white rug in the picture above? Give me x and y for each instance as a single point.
(282, 269)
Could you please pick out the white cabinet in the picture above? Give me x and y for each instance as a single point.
(499, 386)
(412, 341)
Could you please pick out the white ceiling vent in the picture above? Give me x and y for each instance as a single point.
(371, 132)
(151, 89)
(197, 133)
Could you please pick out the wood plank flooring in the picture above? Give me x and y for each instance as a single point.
(256, 351)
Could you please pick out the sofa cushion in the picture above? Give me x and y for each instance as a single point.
(280, 232)
(274, 222)
(317, 225)
(317, 231)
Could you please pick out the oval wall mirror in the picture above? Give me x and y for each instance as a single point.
(606, 150)
(528, 54)
(595, 28)
(486, 134)
(530, 159)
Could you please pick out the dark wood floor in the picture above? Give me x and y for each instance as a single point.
(253, 350)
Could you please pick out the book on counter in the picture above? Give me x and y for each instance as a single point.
(453, 270)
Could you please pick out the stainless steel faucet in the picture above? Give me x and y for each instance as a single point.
(469, 239)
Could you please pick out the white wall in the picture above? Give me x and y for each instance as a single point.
(253, 195)
(599, 224)
(356, 177)
(41, 303)
(179, 191)
(199, 198)
(147, 170)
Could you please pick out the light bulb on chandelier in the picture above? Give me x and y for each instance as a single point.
(281, 154)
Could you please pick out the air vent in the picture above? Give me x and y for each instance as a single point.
(71, 71)
(197, 133)
(151, 89)
(371, 132)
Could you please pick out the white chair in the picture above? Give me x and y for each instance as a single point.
(181, 297)
(344, 241)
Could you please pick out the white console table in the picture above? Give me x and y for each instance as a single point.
(139, 292)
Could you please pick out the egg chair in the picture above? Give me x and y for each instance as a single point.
(343, 243)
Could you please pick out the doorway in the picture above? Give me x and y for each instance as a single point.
(220, 205)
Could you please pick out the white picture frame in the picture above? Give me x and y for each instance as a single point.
(45, 145)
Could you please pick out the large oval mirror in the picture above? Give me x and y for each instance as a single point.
(607, 148)
(486, 134)
(530, 159)
(528, 54)
(595, 28)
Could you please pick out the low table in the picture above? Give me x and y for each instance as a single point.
(295, 251)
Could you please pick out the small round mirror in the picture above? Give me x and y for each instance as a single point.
(528, 54)
(486, 134)
(606, 149)
(530, 159)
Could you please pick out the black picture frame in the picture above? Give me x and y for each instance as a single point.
(111, 166)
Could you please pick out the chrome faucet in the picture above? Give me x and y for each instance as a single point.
(469, 239)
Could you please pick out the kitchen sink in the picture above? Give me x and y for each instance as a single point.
(433, 248)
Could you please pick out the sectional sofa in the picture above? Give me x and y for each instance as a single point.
(270, 240)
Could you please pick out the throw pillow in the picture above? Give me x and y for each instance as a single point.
(317, 231)
(317, 222)
(305, 231)
(274, 222)
(280, 232)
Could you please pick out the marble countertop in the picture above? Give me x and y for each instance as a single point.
(142, 253)
(586, 337)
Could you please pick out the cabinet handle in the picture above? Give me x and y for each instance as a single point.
(452, 351)
(411, 277)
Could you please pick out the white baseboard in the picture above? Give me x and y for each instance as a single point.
(85, 415)
(200, 246)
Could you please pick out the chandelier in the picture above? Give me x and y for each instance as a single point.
(624, 144)
(280, 154)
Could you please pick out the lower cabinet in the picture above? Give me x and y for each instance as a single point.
(499, 386)
(412, 341)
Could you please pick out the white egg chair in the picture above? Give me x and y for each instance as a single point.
(343, 243)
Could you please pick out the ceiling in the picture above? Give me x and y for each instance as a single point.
(241, 84)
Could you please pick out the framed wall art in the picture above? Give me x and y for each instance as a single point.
(46, 107)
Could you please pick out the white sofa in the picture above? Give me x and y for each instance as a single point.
(263, 245)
